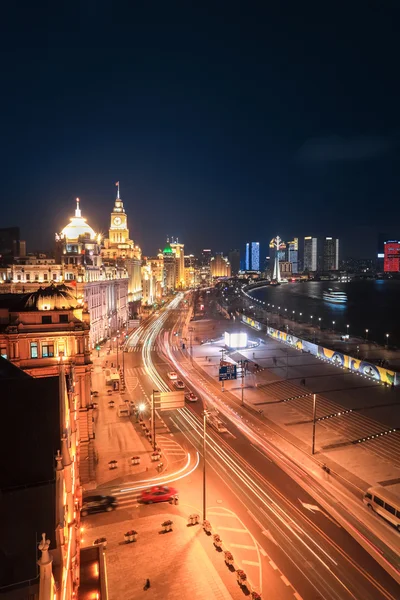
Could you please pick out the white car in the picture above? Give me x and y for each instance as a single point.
(172, 375)
(190, 397)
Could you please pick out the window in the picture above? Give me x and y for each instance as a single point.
(63, 318)
(378, 501)
(46, 320)
(18, 277)
(47, 350)
(45, 276)
(3, 351)
(54, 276)
(390, 508)
(61, 349)
(36, 277)
(368, 495)
(34, 350)
(28, 276)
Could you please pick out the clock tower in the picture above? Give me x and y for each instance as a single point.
(118, 249)
(119, 232)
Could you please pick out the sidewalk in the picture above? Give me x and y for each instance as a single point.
(176, 563)
(117, 438)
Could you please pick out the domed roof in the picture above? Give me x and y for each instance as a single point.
(77, 226)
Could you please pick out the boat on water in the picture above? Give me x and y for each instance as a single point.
(334, 295)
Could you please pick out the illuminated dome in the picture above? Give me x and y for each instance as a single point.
(77, 226)
(168, 249)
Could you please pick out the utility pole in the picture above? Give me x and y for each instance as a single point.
(314, 419)
(205, 415)
(153, 418)
(242, 384)
(123, 367)
(191, 343)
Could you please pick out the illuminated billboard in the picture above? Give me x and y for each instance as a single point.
(235, 340)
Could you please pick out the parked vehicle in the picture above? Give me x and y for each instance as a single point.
(385, 503)
(94, 504)
(158, 493)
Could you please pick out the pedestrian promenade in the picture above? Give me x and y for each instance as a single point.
(176, 563)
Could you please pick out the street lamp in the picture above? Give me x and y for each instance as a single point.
(366, 335)
(387, 340)
(347, 329)
(333, 324)
(319, 319)
(206, 414)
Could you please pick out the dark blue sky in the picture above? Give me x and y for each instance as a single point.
(223, 124)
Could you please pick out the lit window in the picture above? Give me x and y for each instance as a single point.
(3, 352)
(28, 276)
(34, 350)
(47, 350)
(45, 276)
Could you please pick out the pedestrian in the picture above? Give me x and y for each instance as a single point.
(146, 585)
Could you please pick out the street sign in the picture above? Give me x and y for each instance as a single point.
(227, 372)
(169, 400)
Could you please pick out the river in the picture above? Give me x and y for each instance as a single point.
(371, 304)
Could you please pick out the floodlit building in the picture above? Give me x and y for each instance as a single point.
(179, 252)
(169, 269)
(102, 287)
(220, 266)
(252, 257)
(293, 254)
(41, 330)
(310, 254)
(119, 250)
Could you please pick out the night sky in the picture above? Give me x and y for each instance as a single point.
(224, 124)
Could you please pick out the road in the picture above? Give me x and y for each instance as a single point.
(278, 527)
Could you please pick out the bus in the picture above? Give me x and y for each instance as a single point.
(385, 503)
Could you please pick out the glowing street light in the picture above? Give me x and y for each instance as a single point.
(319, 319)
(333, 325)
(387, 340)
(366, 335)
(142, 407)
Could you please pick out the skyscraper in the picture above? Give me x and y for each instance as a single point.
(178, 249)
(310, 253)
(392, 257)
(331, 254)
(252, 256)
(293, 254)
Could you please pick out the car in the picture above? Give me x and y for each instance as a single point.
(179, 384)
(158, 493)
(172, 375)
(191, 397)
(94, 504)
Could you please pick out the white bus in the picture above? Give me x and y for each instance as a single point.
(385, 503)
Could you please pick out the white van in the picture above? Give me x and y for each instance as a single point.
(385, 503)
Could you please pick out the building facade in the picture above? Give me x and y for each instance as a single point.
(169, 269)
(179, 252)
(252, 256)
(220, 266)
(293, 254)
(330, 254)
(310, 254)
(391, 261)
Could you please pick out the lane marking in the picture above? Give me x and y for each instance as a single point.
(236, 529)
(263, 552)
(273, 565)
(221, 514)
(251, 562)
(285, 581)
(297, 596)
(244, 546)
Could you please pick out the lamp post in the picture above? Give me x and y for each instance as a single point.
(333, 326)
(347, 326)
(314, 419)
(366, 335)
(319, 319)
(117, 340)
(206, 413)
(387, 340)
(153, 418)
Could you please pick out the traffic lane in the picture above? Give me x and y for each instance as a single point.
(318, 527)
(292, 561)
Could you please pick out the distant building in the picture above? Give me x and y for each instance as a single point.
(205, 257)
(392, 257)
(285, 269)
(310, 254)
(179, 252)
(9, 242)
(169, 268)
(252, 256)
(293, 254)
(220, 266)
(234, 259)
(330, 254)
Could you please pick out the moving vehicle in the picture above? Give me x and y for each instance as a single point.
(179, 384)
(94, 504)
(216, 423)
(172, 375)
(335, 296)
(124, 410)
(158, 493)
(190, 397)
(385, 503)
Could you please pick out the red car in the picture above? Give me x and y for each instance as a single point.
(158, 493)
